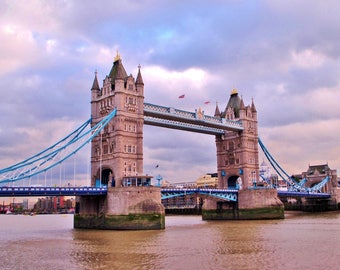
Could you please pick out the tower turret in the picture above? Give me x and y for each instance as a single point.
(95, 92)
(217, 111)
(95, 85)
(140, 89)
(139, 80)
(242, 110)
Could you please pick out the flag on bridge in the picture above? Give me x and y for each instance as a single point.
(181, 96)
(207, 102)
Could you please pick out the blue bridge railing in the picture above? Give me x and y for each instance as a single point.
(51, 191)
(222, 194)
(166, 193)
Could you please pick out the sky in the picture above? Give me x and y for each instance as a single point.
(283, 54)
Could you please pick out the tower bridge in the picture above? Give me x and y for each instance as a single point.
(117, 156)
(127, 200)
(118, 152)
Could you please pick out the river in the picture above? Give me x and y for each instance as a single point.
(299, 241)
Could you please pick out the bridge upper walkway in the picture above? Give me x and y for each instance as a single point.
(169, 117)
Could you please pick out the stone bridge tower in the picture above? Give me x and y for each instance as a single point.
(237, 152)
(118, 151)
(131, 203)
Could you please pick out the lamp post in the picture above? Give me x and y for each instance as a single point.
(159, 179)
(254, 178)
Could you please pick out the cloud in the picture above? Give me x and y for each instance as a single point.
(308, 59)
(190, 82)
(297, 145)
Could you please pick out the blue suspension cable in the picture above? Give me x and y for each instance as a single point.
(278, 168)
(28, 160)
(296, 186)
(46, 158)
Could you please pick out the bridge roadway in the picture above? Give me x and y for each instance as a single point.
(51, 191)
(223, 194)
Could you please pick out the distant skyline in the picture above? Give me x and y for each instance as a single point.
(283, 54)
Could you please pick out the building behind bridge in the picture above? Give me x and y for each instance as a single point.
(191, 203)
(316, 174)
(54, 204)
(209, 180)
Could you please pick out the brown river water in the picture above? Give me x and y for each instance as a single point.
(300, 241)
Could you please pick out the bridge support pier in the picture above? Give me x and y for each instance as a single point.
(252, 204)
(311, 205)
(318, 205)
(124, 208)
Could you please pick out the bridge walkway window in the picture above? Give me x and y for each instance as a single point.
(137, 181)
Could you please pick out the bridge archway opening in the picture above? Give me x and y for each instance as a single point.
(106, 177)
(232, 181)
(179, 153)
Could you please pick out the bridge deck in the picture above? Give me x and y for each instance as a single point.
(51, 191)
(224, 194)
(299, 194)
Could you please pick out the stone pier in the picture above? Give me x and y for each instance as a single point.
(252, 204)
(124, 208)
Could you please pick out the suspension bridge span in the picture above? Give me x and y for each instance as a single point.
(153, 115)
(120, 195)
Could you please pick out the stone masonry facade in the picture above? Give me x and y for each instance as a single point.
(118, 151)
(237, 152)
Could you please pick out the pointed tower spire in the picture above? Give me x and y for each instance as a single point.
(234, 103)
(139, 79)
(253, 109)
(242, 111)
(117, 70)
(217, 111)
(117, 57)
(242, 107)
(95, 85)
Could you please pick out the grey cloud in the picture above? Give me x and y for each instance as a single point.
(246, 45)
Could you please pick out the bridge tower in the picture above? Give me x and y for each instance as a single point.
(117, 159)
(238, 167)
(118, 151)
(237, 152)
